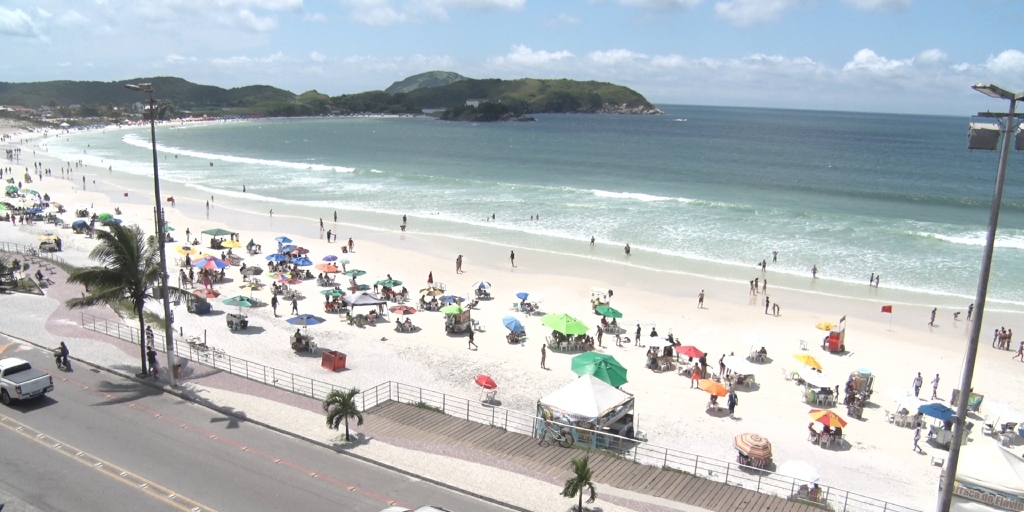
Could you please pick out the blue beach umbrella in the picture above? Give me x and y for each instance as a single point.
(513, 324)
(330, 257)
(938, 411)
(283, 240)
(79, 224)
(276, 257)
(302, 262)
(305, 320)
(522, 295)
(287, 248)
(481, 285)
(447, 299)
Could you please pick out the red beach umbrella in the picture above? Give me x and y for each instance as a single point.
(485, 382)
(206, 294)
(688, 351)
(404, 310)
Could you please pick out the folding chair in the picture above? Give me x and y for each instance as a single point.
(803, 345)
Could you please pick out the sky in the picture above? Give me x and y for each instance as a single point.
(897, 56)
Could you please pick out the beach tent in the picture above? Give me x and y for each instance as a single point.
(362, 299)
(988, 478)
(586, 400)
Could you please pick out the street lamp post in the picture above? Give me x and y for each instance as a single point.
(967, 375)
(168, 329)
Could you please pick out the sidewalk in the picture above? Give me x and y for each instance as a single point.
(469, 470)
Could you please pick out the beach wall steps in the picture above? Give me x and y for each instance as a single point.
(429, 430)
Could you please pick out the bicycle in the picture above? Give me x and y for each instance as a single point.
(563, 436)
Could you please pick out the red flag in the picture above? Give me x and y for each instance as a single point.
(886, 309)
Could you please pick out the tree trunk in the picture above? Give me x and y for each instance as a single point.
(142, 338)
(580, 509)
(346, 430)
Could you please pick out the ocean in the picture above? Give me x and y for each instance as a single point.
(708, 190)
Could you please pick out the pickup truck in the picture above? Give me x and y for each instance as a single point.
(19, 381)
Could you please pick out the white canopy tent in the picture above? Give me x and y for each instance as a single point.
(988, 478)
(589, 399)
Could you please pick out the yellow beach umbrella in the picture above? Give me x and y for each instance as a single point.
(185, 250)
(47, 237)
(809, 360)
(234, 244)
(825, 326)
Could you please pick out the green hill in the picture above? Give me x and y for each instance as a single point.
(529, 95)
(424, 81)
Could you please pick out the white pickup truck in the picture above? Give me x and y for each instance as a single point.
(19, 381)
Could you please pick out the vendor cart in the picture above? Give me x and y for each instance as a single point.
(835, 341)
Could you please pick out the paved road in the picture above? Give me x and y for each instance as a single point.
(100, 443)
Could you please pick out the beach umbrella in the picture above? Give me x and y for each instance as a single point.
(657, 342)
(181, 249)
(602, 366)
(218, 232)
(448, 299)
(825, 326)
(330, 257)
(431, 292)
(1004, 412)
(283, 240)
(286, 249)
(35, 211)
(251, 287)
(712, 387)
(3, 206)
(564, 324)
(355, 273)
(300, 251)
(305, 320)
(739, 365)
(812, 377)
(30, 191)
(333, 292)
(47, 236)
(827, 418)
(210, 263)
(285, 278)
(403, 310)
(302, 262)
(389, 283)
(938, 411)
(206, 294)
(239, 300)
(453, 309)
(252, 271)
(344, 261)
(103, 217)
(276, 257)
(481, 285)
(688, 351)
(168, 228)
(51, 210)
(485, 382)
(327, 267)
(522, 295)
(363, 287)
(513, 324)
(808, 360)
(608, 311)
(799, 470)
(79, 224)
(233, 244)
(110, 222)
(753, 445)
(11, 189)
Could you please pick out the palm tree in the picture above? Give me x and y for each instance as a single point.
(125, 280)
(341, 405)
(581, 480)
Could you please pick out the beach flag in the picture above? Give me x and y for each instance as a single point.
(886, 309)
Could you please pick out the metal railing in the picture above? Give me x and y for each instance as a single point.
(32, 252)
(730, 473)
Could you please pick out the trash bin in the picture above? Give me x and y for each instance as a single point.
(333, 360)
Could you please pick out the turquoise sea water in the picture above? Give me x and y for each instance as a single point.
(852, 193)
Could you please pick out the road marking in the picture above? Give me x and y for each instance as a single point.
(122, 475)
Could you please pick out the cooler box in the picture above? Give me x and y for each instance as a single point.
(833, 342)
(333, 360)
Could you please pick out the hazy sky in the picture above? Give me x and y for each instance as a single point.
(918, 56)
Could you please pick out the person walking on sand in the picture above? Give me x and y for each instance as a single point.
(591, 240)
(458, 265)
(328, 236)
(871, 280)
(935, 387)
(732, 403)
(752, 290)
(970, 311)
(918, 381)
(351, 245)
(335, 216)
(1020, 352)
(700, 300)
(404, 220)
(543, 357)
(273, 305)
(917, 439)
(695, 377)
(764, 286)
(721, 367)
(757, 284)
(271, 213)
(931, 321)
(636, 340)
(321, 224)
(814, 271)
(512, 258)
(600, 334)
(767, 302)
(471, 345)
(295, 306)
(877, 279)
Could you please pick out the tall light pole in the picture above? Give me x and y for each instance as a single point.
(168, 330)
(967, 375)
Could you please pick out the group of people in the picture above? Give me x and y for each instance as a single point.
(832, 433)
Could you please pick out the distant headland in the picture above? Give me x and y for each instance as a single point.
(443, 94)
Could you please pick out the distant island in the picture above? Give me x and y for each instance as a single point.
(443, 94)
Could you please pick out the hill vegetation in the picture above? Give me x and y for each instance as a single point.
(437, 90)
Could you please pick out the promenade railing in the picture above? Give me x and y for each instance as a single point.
(32, 252)
(730, 473)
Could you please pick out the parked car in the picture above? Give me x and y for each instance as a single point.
(19, 381)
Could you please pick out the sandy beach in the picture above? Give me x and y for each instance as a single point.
(879, 461)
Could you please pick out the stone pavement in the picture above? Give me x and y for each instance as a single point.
(472, 471)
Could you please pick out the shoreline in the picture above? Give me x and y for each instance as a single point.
(667, 410)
